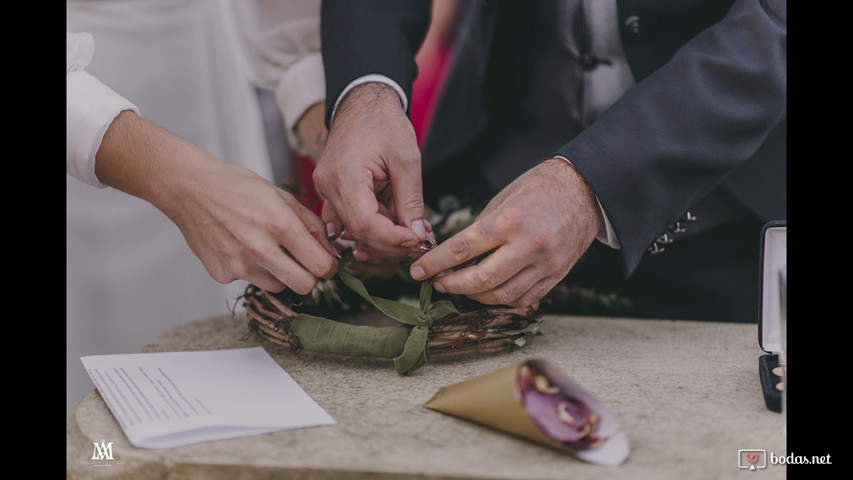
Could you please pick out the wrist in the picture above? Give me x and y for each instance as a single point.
(366, 98)
(140, 158)
(583, 195)
(117, 161)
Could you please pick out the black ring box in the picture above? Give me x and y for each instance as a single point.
(772, 308)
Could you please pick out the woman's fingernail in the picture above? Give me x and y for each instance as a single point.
(417, 273)
(438, 287)
(360, 255)
(330, 229)
(418, 228)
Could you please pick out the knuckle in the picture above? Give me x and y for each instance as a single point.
(531, 296)
(327, 268)
(502, 296)
(540, 241)
(520, 303)
(276, 229)
(316, 227)
(221, 276)
(486, 280)
(413, 201)
(319, 175)
(359, 228)
(251, 250)
(236, 270)
(217, 272)
(409, 158)
(414, 156)
(460, 249)
(303, 287)
(511, 219)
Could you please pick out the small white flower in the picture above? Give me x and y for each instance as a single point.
(457, 221)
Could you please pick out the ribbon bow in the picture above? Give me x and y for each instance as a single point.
(405, 343)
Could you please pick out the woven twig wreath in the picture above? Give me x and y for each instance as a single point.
(436, 329)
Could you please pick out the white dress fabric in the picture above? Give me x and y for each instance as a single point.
(190, 66)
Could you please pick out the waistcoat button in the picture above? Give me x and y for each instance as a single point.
(633, 27)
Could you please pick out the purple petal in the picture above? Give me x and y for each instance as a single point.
(543, 411)
(562, 418)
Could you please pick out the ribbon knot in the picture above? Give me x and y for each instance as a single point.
(406, 342)
(416, 320)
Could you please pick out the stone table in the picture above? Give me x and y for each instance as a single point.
(686, 393)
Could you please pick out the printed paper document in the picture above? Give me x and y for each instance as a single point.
(169, 399)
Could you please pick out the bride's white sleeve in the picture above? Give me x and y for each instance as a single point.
(281, 41)
(91, 107)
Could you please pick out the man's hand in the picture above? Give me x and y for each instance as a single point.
(238, 224)
(532, 233)
(369, 172)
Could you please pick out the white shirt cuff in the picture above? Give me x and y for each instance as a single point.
(606, 234)
(303, 85)
(90, 109)
(373, 77)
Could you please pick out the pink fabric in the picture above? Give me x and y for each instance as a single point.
(432, 67)
(303, 170)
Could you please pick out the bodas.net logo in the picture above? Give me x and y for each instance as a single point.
(758, 458)
(752, 458)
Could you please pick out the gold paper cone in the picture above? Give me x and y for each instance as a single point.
(493, 400)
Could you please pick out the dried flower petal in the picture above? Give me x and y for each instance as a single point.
(562, 418)
(563, 413)
(543, 385)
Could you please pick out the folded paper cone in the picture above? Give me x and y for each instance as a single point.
(494, 400)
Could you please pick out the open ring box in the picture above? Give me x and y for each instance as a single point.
(772, 312)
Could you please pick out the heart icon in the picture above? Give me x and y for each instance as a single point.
(751, 457)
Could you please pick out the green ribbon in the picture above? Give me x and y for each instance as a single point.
(405, 343)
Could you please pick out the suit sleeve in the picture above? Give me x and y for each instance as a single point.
(367, 37)
(683, 129)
